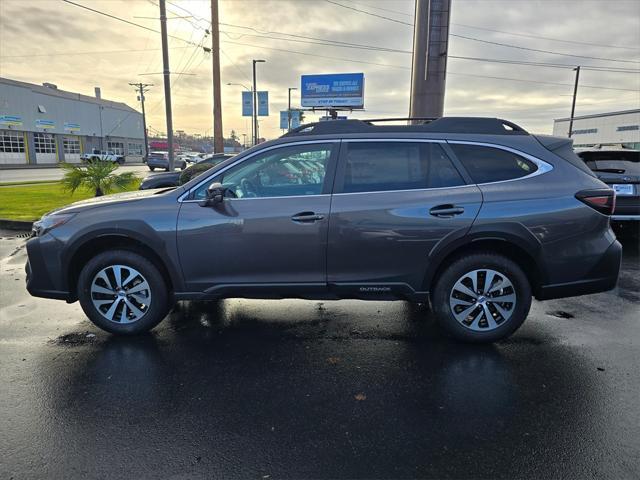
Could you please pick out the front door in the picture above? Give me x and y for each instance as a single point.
(270, 229)
(393, 202)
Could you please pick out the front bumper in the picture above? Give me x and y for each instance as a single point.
(601, 278)
(45, 278)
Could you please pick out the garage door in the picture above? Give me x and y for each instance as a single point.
(71, 149)
(12, 148)
(45, 147)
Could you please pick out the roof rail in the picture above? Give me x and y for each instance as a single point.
(477, 125)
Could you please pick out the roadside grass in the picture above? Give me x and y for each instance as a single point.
(29, 202)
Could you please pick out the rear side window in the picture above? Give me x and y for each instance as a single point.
(488, 164)
(384, 166)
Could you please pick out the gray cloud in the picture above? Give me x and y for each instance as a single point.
(38, 25)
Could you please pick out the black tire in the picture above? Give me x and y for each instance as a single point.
(152, 169)
(120, 161)
(160, 295)
(444, 285)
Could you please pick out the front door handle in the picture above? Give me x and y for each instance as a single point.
(446, 211)
(306, 217)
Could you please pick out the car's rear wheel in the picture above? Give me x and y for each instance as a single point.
(152, 169)
(120, 161)
(123, 292)
(482, 297)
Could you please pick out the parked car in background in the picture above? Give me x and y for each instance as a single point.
(620, 169)
(161, 160)
(193, 157)
(172, 179)
(474, 215)
(97, 155)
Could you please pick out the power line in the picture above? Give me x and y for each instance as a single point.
(517, 34)
(319, 56)
(519, 47)
(328, 43)
(597, 68)
(527, 35)
(93, 52)
(369, 13)
(123, 20)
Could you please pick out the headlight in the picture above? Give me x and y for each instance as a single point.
(49, 222)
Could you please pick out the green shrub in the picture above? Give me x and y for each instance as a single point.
(193, 171)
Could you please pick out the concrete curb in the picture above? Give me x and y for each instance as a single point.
(19, 225)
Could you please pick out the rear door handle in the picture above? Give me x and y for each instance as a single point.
(306, 217)
(446, 211)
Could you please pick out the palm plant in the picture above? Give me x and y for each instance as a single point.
(97, 176)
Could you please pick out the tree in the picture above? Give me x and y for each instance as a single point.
(234, 136)
(97, 176)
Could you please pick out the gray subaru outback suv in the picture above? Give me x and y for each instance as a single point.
(474, 215)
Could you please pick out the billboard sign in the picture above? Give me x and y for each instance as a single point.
(333, 90)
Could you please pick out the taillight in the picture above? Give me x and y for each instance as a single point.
(602, 200)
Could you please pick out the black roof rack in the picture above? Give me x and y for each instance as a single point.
(477, 125)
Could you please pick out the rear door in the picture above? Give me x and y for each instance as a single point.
(393, 201)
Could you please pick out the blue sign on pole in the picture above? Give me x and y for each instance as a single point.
(295, 118)
(284, 119)
(247, 104)
(263, 104)
(333, 90)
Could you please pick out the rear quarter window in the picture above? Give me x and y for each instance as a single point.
(489, 164)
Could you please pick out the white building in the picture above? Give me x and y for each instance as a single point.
(41, 124)
(614, 128)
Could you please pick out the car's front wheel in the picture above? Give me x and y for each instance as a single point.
(482, 297)
(123, 292)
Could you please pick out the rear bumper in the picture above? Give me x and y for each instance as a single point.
(602, 277)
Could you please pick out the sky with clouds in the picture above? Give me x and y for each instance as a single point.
(54, 41)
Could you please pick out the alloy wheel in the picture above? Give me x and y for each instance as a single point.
(121, 294)
(482, 300)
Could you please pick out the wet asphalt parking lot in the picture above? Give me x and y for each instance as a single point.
(302, 389)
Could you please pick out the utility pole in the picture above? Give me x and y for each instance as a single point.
(429, 67)
(142, 89)
(255, 103)
(289, 108)
(218, 139)
(167, 81)
(573, 103)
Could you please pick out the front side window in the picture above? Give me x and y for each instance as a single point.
(488, 164)
(282, 172)
(384, 166)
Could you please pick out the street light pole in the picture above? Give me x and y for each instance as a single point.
(289, 109)
(573, 103)
(255, 103)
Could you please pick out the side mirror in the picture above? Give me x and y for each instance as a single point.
(215, 195)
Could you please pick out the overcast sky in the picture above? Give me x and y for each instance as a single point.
(49, 41)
